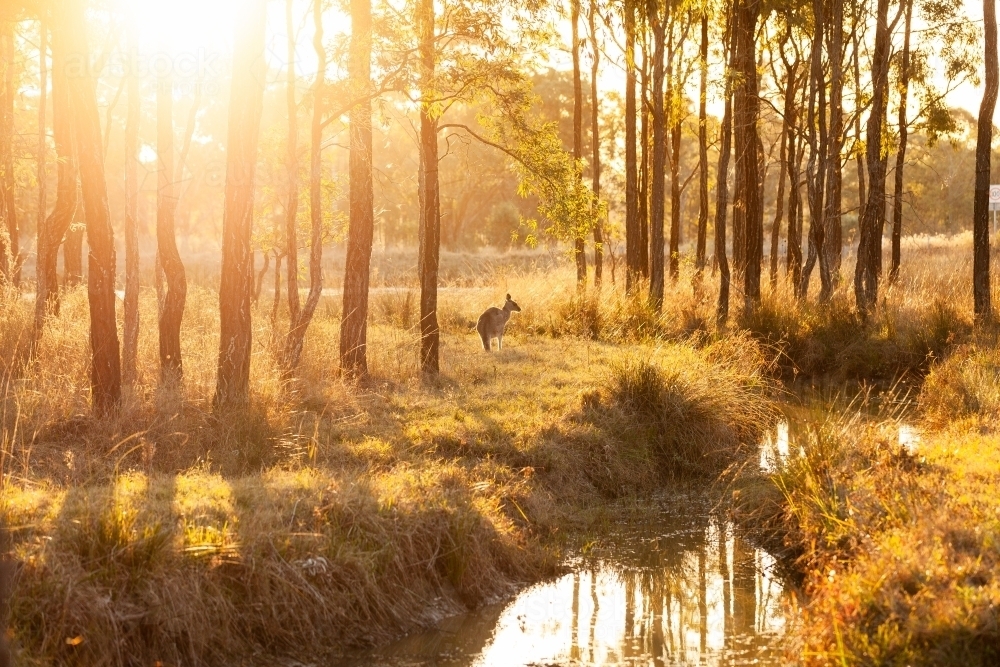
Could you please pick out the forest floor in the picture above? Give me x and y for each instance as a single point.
(177, 534)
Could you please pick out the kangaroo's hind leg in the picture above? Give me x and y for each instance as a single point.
(482, 335)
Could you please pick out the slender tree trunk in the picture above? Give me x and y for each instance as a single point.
(580, 250)
(595, 145)
(748, 205)
(675, 190)
(171, 368)
(236, 287)
(702, 148)
(793, 253)
(292, 170)
(105, 370)
(632, 270)
(51, 234)
(659, 168)
(867, 269)
(10, 260)
(816, 168)
(43, 83)
(722, 185)
(299, 325)
(357, 271)
(130, 337)
(984, 141)
(646, 156)
(786, 154)
(897, 199)
(833, 230)
(430, 206)
(276, 301)
(858, 157)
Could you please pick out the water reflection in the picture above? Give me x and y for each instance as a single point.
(793, 429)
(681, 590)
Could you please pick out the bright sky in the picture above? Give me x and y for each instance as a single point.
(201, 31)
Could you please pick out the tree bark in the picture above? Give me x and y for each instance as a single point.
(897, 199)
(10, 258)
(632, 270)
(105, 371)
(130, 335)
(722, 178)
(656, 240)
(430, 207)
(595, 145)
(646, 156)
(984, 139)
(56, 225)
(172, 312)
(793, 253)
(43, 83)
(579, 249)
(746, 111)
(357, 270)
(868, 267)
(833, 230)
(299, 324)
(786, 154)
(856, 59)
(236, 287)
(292, 170)
(702, 148)
(73, 248)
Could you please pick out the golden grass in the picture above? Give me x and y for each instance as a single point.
(329, 514)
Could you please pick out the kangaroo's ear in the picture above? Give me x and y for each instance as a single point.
(508, 297)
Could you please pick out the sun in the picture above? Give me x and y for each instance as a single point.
(180, 25)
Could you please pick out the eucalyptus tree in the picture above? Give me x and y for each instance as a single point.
(722, 173)
(632, 234)
(657, 20)
(300, 317)
(130, 331)
(984, 140)
(10, 260)
(579, 246)
(595, 142)
(105, 371)
(236, 286)
(702, 142)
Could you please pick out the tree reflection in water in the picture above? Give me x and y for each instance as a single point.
(682, 588)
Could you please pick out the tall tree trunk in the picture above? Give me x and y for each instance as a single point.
(657, 202)
(856, 59)
(105, 370)
(299, 325)
(833, 230)
(43, 83)
(816, 167)
(130, 335)
(702, 147)
(632, 271)
(292, 171)
(897, 199)
(171, 368)
(579, 250)
(595, 145)
(430, 201)
(984, 141)
(10, 260)
(867, 269)
(722, 178)
(746, 108)
(246, 103)
(793, 253)
(675, 189)
(786, 154)
(51, 234)
(646, 157)
(357, 270)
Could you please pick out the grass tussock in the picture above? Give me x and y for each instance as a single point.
(899, 549)
(329, 514)
(696, 421)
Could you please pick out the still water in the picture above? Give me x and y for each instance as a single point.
(677, 586)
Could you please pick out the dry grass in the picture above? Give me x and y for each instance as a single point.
(330, 514)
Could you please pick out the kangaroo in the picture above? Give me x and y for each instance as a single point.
(492, 322)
